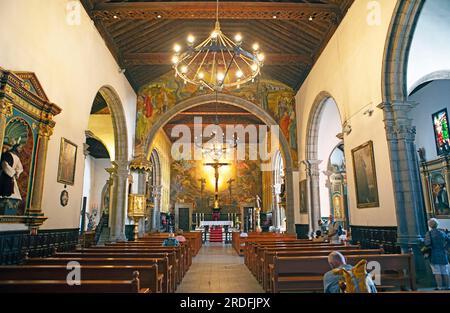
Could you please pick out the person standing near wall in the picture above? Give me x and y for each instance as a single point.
(437, 240)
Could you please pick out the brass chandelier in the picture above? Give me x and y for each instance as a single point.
(217, 62)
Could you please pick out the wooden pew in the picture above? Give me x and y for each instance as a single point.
(239, 242)
(61, 286)
(185, 250)
(163, 265)
(111, 249)
(117, 254)
(266, 264)
(306, 273)
(260, 251)
(148, 274)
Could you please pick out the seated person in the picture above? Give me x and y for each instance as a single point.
(180, 236)
(243, 234)
(171, 241)
(332, 279)
(318, 237)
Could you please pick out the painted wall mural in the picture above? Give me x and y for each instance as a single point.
(158, 96)
(193, 182)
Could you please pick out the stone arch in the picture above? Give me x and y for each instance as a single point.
(120, 163)
(246, 105)
(438, 75)
(311, 161)
(156, 166)
(119, 122)
(312, 128)
(400, 133)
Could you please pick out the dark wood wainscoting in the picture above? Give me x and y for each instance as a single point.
(15, 244)
(373, 236)
(302, 231)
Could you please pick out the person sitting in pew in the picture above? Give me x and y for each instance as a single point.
(171, 241)
(331, 280)
(180, 236)
(319, 237)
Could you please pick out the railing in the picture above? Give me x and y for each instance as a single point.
(101, 225)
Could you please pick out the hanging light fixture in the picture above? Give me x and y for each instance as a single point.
(217, 146)
(217, 62)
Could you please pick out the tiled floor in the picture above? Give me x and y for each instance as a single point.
(218, 268)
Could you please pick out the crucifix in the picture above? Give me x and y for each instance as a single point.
(216, 165)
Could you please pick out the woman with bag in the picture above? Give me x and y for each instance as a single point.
(437, 240)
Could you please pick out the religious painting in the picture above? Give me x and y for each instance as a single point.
(16, 163)
(303, 197)
(276, 98)
(441, 131)
(338, 206)
(67, 162)
(365, 176)
(439, 194)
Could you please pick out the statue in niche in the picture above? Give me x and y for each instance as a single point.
(10, 171)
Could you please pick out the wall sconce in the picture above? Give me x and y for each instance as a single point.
(368, 112)
(347, 129)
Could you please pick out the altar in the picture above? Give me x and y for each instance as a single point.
(216, 223)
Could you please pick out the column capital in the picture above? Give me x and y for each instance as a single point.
(45, 130)
(156, 190)
(6, 108)
(120, 167)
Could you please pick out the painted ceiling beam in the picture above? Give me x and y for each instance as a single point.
(251, 10)
(163, 58)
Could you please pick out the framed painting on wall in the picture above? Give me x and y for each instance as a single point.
(365, 176)
(303, 197)
(67, 162)
(439, 194)
(441, 131)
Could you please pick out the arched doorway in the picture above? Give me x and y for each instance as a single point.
(246, 105)
(324, 133)
(107, 128)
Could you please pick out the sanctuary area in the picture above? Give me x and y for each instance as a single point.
(224, 146)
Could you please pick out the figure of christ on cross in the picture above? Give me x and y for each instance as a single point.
(216, 165)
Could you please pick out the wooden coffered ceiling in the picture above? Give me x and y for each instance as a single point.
(224, 114)
(292, 34)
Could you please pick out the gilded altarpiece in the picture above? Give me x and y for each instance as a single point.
(435, 182)
(26, 124)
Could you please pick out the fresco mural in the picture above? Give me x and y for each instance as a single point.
(193, 182)
(157, 97)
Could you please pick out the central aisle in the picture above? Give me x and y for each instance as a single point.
(218, 269)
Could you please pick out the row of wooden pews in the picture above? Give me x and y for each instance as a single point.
(141, 266)
(287, 265)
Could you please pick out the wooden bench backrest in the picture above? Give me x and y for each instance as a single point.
(148, 274)
(61, 286)
(163, 264)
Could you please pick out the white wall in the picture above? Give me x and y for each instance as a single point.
(430, 48)
(430, 99)
(330, 126)
(95, 177)
(72, 64)
(350, 70)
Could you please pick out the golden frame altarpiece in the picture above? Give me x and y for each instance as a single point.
(435, 175)
(26, 124)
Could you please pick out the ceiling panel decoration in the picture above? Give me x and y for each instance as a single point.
(292, 34)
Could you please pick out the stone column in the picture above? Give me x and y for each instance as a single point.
(142, 180)
(312, 190)
(156, 219)
(400, 136)
(45, 131)
(119, 197)
(5, 112)
(276, 189)
(426, 188)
